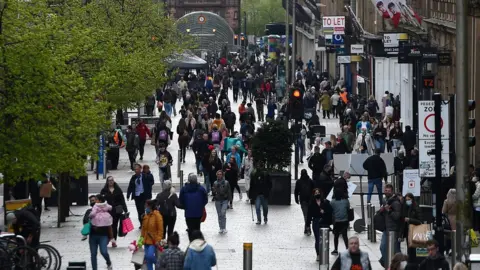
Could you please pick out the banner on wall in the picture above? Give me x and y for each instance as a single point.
(397, 11)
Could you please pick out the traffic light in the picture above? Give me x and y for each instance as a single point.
(471, 123)
(235, 40)
(243, 41)
(295, 103)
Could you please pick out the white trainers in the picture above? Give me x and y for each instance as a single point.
(220, 232)
(225, 231)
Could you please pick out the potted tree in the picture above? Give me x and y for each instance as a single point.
(272, 144)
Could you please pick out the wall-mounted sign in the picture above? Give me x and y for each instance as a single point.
(356, 48)
(391, 42)
(343, 59)
(445, 58)
(408, 54)
(428, 81)
(334, 25)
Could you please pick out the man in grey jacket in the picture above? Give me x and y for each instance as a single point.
(223, 195)
(392, 211)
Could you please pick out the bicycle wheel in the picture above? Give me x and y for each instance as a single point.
(5, 262)
(46, 257)
(25, 258)
(55, 256)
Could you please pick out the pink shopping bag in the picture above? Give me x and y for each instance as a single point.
(127, 225)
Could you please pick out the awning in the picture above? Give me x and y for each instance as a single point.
(187, 60)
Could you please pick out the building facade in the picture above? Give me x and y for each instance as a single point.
(227, 9)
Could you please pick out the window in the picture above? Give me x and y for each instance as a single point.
(235, 15)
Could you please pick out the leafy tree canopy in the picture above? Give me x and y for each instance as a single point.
(272, 144)
(64, 68)
(260, 13)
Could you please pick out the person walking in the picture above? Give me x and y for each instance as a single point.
(152, 232)
(319, 214)
(167, 203)
(193, 198)
(376, 171)
(303, 195)
(353, 258)
(223, 195)
(140, 190)
(142, 132)
(114, 196)
(412, 215)
(199, 255)
(392, 212)
(260, 187)
(211, 164)
(231, 175)
(340, 206)
(246, 171)
(100, 231)
(133, 142)
(173, 257)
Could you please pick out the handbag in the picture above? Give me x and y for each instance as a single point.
(138, 257)
(204, 215)
(127, 225)
(351, 214)
(417, 235)
(86, 229)
(119, 209)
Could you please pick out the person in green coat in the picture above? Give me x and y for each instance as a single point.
(326, 104)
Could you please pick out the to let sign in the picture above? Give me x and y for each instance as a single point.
(335, 23)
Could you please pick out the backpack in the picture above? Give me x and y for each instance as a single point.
(163, 135)
(164, 207)
(215, 136)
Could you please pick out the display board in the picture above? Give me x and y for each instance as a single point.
(353, 163)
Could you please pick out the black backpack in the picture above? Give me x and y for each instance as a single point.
(164, 208)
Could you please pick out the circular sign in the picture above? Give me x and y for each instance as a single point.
(202, 19)
(429, 123)
(411, 184)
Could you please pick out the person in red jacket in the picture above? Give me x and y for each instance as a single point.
(142, 131)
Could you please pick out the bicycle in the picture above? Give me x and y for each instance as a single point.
(17, 256)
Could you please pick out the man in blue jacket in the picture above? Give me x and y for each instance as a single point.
(193, 198)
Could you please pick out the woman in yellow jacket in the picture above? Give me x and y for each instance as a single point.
(152, 232)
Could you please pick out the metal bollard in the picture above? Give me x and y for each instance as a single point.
(247, 256)
(179, 161)
(454, 247)
(181, 178)
(369, 217)
(373, 232)
(391, 242)
(324, 248)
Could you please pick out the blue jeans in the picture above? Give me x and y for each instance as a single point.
(168, 108)
(221, 207)
(261, 200)
(380, 144)
(378, 183)
(96, 241)
(301, 148)
(383, 246)
(198, 162)
(207, 181)
(150, 256)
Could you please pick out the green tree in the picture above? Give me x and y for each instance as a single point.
(133, 40)
(260, 13)
(48, 115)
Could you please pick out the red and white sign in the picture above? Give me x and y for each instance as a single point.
(335, 24)
(426, 121)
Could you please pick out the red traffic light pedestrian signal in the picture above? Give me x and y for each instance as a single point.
(296, 93)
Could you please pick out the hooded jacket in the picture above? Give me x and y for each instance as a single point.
(434, 263)
(100, 216)
(199, 256)
(152, 228)
(193, 198)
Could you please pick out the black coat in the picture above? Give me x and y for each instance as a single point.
(260, 184)
(316, 163)
(314, 211)
(303, 189)
(147, 186)
(114, 198)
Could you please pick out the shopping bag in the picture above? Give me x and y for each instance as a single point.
(204, 215)
(86, 228)
(46, 190)
(127, 225)
(418, 235)
(473, 238)
(120, 227)
(138, 257)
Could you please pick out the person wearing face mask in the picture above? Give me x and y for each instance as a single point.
(391, 211)
(319, 215)
(353, 258)
(412, 215)
(152, 232)
(86, 217)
